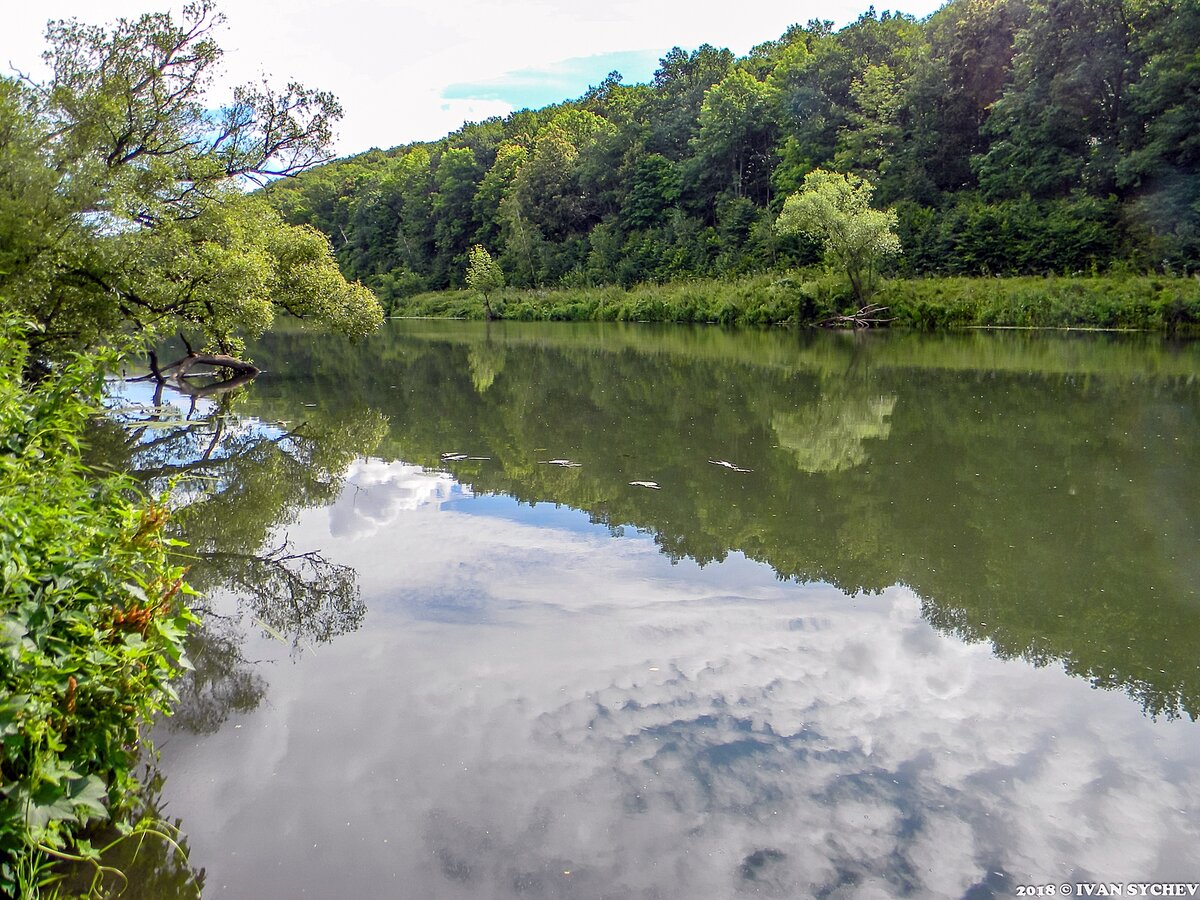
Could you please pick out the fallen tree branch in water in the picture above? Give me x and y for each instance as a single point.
(182, 367)
(863, 318)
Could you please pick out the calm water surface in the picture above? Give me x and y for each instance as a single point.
(904, 616)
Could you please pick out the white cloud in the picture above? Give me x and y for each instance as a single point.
(525, 702)
(377, 492)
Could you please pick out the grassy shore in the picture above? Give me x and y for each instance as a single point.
(1148, 303)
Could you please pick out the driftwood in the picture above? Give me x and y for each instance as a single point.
(174, 375)
(182, 367)
(240, 370)
(216, 360)
(871, 314)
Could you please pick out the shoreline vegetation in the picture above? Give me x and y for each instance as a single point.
(123, 219)
(1159, 303)
(93, 621)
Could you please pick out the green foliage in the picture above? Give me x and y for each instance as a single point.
(1154, 303)
(654, 189)
(758, 299)
(484, 275)
(1069, 235)
(1026, 137)
(734, 136)
(1130, 302)
(837, 210)
(120, 194)
(92, 618)
(1059, 125)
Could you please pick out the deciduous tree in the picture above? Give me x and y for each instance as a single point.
(836, 209)
(122, 194)
(484, 275)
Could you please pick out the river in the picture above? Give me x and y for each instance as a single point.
(551, 610)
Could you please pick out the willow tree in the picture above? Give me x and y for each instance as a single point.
(484, 275)
(123, 192)
(836, 210)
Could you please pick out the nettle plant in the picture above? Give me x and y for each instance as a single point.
(93, 617)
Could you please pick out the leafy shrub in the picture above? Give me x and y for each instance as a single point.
(804, 298)
(92, 620)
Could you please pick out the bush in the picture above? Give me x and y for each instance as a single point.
(1117, 301)
(92, 621)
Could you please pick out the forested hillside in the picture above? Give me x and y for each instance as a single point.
(1011, 136)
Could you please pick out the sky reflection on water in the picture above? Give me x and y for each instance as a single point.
(534, 707)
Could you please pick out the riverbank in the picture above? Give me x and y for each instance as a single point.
(92, 630)
(1146, 303)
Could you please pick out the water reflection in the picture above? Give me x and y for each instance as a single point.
(237, 481)
(382, 491)
(831, 434)
(864, 666)
(549, 712)
(1037, 493)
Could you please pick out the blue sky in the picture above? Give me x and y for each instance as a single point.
(564, 80)
(408, 70)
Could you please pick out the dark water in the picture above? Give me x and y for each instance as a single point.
(905, 616)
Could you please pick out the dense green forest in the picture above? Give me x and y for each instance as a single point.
(1011, 137)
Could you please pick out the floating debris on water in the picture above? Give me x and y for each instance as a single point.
(726, 464)
(151, 424)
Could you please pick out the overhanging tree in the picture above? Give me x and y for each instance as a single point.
(122, 193)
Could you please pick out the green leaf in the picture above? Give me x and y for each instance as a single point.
(73, 801)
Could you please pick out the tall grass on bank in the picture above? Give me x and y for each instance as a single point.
(1151, 303)
(92, 625)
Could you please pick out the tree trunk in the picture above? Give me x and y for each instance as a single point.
(174, 374)
(217, 361)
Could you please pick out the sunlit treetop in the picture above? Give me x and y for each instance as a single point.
(122, 191)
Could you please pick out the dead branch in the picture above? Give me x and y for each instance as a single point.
(869, 315)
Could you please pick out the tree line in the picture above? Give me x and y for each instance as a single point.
(1010, 136)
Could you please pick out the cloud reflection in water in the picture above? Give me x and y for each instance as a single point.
(531, 711)
(377, 492)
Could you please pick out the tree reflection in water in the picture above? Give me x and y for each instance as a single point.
(1036, 491)
(1035, 495)
(236, 483)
